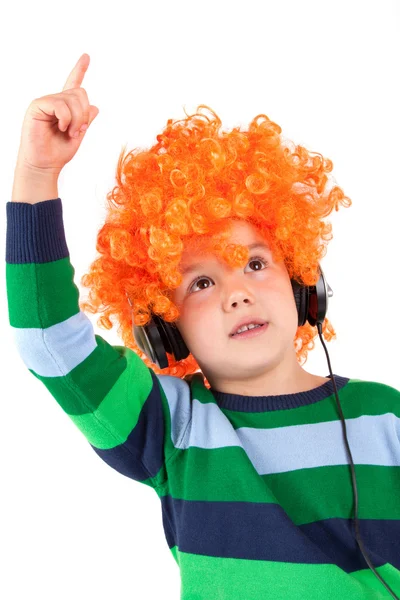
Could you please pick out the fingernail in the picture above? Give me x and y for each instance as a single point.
(84, 127)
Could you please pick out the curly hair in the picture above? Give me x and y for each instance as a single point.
(189, 186)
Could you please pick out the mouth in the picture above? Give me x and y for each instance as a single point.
(259, 330)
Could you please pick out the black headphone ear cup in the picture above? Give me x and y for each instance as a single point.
(172, 338)
(312, 301)
(149, 341)
(158, 337)
(301, 299)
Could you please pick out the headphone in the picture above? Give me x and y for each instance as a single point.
(159, 337)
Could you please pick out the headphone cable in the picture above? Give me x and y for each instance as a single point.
(353, 476)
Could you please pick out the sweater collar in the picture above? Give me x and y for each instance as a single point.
(278, 402)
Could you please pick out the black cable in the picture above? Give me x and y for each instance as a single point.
(353, 476)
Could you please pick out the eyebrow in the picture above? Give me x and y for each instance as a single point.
(196, 266)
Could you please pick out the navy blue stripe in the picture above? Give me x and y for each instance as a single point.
(258, 531)
(35, 232)
(142, 455)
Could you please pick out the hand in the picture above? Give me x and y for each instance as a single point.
(47, 142)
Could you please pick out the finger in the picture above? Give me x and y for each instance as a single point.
(76, 108)
(93, 112)
(75, 78)
(63, 114)
(50, 105)
(80, 117)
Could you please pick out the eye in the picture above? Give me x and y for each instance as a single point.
(255, 259)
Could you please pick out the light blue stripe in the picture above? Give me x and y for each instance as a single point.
(373, 440)
(56, 350)
(177, 392)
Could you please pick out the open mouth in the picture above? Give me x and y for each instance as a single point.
(257, 330)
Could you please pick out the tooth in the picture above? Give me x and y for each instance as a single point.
(247, 327)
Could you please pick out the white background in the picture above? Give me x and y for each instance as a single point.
(327, 73)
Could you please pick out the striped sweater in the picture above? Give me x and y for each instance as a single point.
(255, 492)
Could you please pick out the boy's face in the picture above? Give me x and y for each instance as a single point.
(223, 296)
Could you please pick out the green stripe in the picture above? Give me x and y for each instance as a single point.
(327, 492)
(214, 578)
(41, 295)
(104, 394)
(207, 477)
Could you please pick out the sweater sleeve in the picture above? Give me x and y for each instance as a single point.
(115, 400)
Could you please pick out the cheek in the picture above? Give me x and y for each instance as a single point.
(281, 305)
(201, 332)
(288, 311)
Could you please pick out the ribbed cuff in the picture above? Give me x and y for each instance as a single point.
(35, 232)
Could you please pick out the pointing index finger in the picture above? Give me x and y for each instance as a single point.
(77, 74)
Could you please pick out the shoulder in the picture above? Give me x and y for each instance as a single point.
(379, 396)
(377, 386)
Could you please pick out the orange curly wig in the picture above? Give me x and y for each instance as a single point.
(189, 186)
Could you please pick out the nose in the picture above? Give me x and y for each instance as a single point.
(245, 300)
(238, 295)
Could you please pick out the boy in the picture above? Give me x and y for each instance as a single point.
(247, 458)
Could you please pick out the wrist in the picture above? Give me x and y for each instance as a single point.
(25, 170)
(34, 185)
